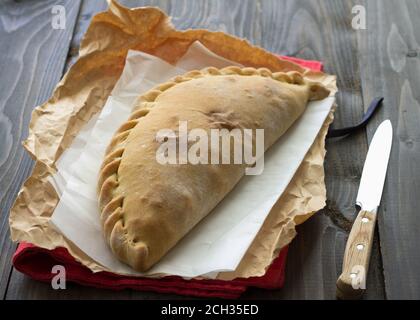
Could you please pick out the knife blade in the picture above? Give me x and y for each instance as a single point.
(374, 169)
(352, 281)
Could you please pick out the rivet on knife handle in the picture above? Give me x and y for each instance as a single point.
(351, 283)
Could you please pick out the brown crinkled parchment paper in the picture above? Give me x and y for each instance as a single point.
(83, 91)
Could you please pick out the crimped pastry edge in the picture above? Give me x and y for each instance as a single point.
(110, 204)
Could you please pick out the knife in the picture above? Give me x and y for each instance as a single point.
(351, 283)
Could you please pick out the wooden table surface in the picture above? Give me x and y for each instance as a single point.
(381, 60)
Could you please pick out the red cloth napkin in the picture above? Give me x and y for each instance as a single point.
(38, 262)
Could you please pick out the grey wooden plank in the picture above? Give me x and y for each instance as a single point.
(389, 53)
(32, 56)
(321, 30)
(297, 28)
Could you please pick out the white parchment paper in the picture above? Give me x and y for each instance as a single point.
(217, 243)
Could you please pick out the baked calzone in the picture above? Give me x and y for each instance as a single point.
(147, 207)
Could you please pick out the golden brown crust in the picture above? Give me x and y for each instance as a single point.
(128, 248)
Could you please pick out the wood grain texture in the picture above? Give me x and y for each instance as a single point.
(308, 29)
(300, 28)
(32, 58)
(390, 53)
(352, 281)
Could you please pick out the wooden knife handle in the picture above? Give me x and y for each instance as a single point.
(351, 283)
